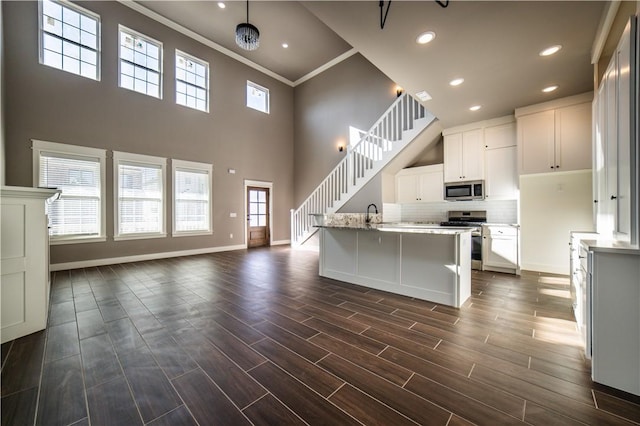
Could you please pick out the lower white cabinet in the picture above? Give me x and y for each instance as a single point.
(24, 282)
(420, 184)
(615, 317)
(500, 248)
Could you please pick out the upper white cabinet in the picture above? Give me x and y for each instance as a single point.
(501, 176)
(555, 136)
(420, 184)
(500, 136)
(463, 159)
(614, 171)
(484, 150)
(500, 162)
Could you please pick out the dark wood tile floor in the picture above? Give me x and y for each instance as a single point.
(256, 337)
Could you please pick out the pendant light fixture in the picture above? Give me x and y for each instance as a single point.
(247, 35)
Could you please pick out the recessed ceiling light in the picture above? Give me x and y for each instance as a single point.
(285, 45)
(423, 96)
(425, 37)
(456, 82)
(550, 50)
(221, 5)
(475, 107)
(549, 89)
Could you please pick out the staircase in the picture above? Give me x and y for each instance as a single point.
(405, 119)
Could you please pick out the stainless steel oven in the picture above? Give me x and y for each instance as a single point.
(472, 219)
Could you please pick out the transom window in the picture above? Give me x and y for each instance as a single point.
(70, 38)
(78, 215)
(139, 195)
(192, 82)
(191, 197)
(257, 97)
(140, 63)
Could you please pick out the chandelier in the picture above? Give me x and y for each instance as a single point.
(247, 35)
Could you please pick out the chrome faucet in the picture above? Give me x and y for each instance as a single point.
(367, 219)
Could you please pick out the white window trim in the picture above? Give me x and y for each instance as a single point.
(160, 59)
(257, 86)
(38, 147)
(207, 86)
(197, 167)
(80, 10)
(142, 160)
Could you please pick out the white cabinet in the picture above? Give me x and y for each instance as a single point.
(500, 248)
(615, 317)
(24, 282)
(501, 136)
(615, 201)
(579, 285)
(420, 184)
(463, 156)
(500, 162)
(556, 138)
(501, 179)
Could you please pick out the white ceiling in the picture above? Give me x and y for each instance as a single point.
(493, 45)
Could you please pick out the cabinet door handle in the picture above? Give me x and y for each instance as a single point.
(552, 167)
(613, 197)
(595, 201)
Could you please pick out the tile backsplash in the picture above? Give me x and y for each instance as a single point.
(498, 211)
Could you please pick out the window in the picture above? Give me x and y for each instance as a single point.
(139, 196)
(257, 97)
(140, 63)
(192, 82)
(70, 38)
(191, 198)
(258, 207)
(78, 215)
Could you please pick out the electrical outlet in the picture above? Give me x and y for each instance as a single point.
(233, 214)
(231, 236)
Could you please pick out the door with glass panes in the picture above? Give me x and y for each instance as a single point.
(257, 217)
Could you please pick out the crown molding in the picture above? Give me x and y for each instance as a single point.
(215, 46)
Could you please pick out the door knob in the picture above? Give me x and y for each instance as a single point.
(613, 197)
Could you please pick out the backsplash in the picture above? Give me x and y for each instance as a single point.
(498, 211)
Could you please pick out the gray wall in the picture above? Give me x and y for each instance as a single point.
(352, 93)
(52, 105)
(2, 121)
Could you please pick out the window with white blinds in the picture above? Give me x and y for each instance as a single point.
(191, 198)
(78, 215)
(139, 195)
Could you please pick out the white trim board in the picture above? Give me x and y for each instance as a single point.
(215, 46)
(141, 257)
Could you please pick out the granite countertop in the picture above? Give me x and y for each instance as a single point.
(402, 227)
(611, 246)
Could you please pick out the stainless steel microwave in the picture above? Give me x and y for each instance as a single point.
(464, 191)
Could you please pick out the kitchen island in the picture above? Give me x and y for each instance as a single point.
(426, 262)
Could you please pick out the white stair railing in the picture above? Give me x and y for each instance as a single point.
(404, 120)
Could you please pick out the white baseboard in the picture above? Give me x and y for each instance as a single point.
(280, 242)
(141, 257)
